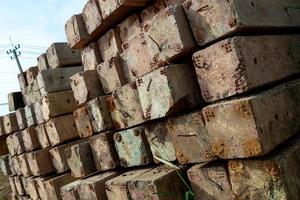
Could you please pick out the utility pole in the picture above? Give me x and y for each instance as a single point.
(16, 54)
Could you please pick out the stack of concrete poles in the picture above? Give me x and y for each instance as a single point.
(174, 100)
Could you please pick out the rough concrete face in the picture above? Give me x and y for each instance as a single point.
(60, 55)
(22, 81)
(124, 106)
(24, 165)
(117, 188)
(19, 185)
(10, 123)
(188, 130)
(104, 152)
(91, 56)
(32, 93)
(3, 146)
(80, 159)
(16, 165)
(160, 141)
(268, 177)
(54, 185)
(32, 189)
(246, 127)
(30, 115)
(15, 101)
(136, 58)
(240, 64)
(42, 136)
(5, 165)
(150, 11)
(99, 114)
(168, 90)
(210, 181)
(10, 144)
(212, 20)
(173, 2)
(86, 86)
(110, 44)
(111, 74)
(169, 37)
(37, 107)
(59, 157)
(71, 191)
(132, 147)
(92, 17)
(40, 162)
(31, 74)
(21, 119)
(94, 187)
(59, 103)
(42, 61)
(130, 27)
(83, 122)
(56, 80)
(76, 33)
(151, 184)
(30, 139)
(61, 129)
(17, 143)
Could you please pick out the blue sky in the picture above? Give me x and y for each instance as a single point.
(30, 22)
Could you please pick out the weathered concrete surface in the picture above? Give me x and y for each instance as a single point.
(61, 129)
(56, 80)
(255, 125)
(16, 165)
(160, 141)
(31, 74)
(159, 183)
(94, 187)
(168, 90)
(59, 157)
(42, 61)
(117, 188)
(60, 55)
(240, 64)
(212, 20)
(5, 165)
(24, 165)
(188, 130)
(30, 139)
(40, 162)
(129, 27)
(124, 106)
(111, 74)
(10, 123)
(86, 86)
(273, 176)
(32, 188)
(19, 185)
(136, 57)
(110, 44)
(93, 20)
(2, 130)
(54, 185)
(173, 2)
(71, 190)
(58, 103)
(83, 122)
(42, 136)
(211, 181)
(80, 159)
(104, 152)
(15, 101)
(169, 37)
(76, 33)
(21, 119)
(99, 114)
(132, 147)
(30, 115)
(91, 56)
(150, 11)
